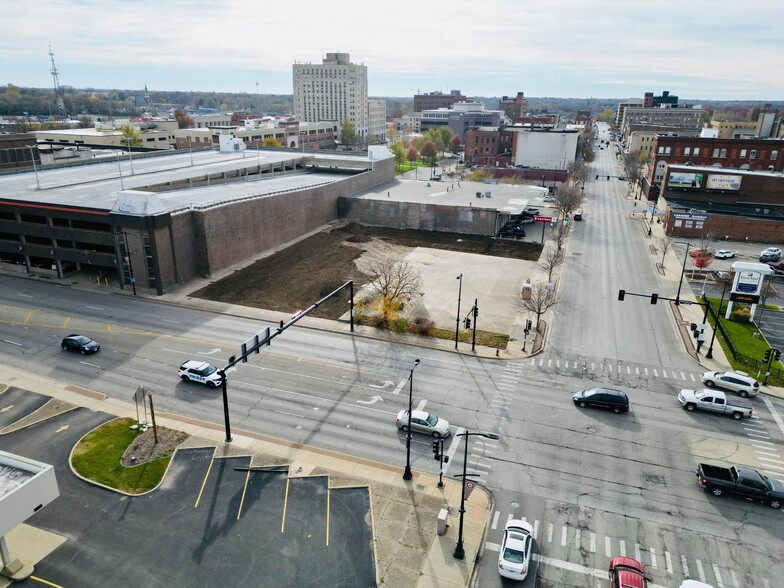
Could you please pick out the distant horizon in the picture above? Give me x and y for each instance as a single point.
(562, 48)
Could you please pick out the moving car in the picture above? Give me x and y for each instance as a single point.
(423, 422)
(770, 254)
(80, 344)
(514, 558)
(739, 382)
(724, 254)
(741, 481)
(202, 372)
(714, 401)
(512, 231)
(578, 214)
(615, 400)
(626, 572)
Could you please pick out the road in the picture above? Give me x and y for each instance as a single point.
(594, 484)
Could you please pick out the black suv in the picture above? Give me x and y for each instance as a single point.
(615, 400)
(513, 231)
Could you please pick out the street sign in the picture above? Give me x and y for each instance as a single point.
(469, 487)
(544, 219)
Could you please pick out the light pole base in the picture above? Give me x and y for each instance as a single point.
(459, 552)
(407, 473)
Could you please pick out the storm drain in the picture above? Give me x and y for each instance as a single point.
(654, 479)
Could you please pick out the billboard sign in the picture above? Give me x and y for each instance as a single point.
(685, 180)
(748, 281)
(723, 182)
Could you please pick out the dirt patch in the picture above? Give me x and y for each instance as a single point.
(293, 279)
(144, 448)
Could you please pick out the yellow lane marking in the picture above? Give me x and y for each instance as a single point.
(203, 484)
(48, 583)
(328, 494)
(244, 490)
(7, 408)
(109, 328)
(285, 504)
(68, 320)
(27, 318)
(63, 428)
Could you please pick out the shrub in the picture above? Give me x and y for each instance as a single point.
(379, 322)
(422, 326)
(741, 315)
(398, 325)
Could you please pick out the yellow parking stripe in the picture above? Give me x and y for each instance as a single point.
(27, 318)
(67, 320)
(245, 489)
(203, 484)
(108, 328)
(285, 504)
(42, 581)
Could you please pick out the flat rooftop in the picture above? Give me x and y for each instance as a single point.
(97, 185)
(504, 198)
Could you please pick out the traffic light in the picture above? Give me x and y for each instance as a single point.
(776, 354)
(528, 325)
(467, 322)
(436, 448)
(608, 177)
(621, 294)
(654, 298)
(767, 354)
(476, 311)
(597, 176)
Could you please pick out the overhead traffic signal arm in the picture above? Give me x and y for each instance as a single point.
(654, 297)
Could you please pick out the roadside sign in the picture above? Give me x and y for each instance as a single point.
(544, 219)
(469, 487)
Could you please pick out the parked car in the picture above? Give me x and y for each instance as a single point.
(621, 177)
(530, 210)
(548, 198)
(578, 214)
(739, 382)
(80, 344)
(770, 254)
(514, 558)
(741, 481)
(700, 252)
(423, 422)
(778, 267)
(512, 231)
(626, 572)
(201, 372)
(714, 401)
(724, 254)
(615, 400)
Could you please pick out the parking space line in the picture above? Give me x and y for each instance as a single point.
(668, 562)
(244, 490)
(654, 563)
(716, 573)
(685, 566)
(607, 547)
(536, 530)
(328, 497)
(204, 483)
(622, 548)
(637, 552)
(27, 318)
(285, 505)
(700, 571)
(563, 536)
(577, 538)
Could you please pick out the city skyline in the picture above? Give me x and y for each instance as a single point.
(567, 49)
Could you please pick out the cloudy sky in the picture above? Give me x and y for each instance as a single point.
(696, 49)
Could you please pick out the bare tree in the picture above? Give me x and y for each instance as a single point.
(567, 198)
(578, 172)
(561, 231)
(705, 238)
(551, 259)
(395, 281)
(664, 244)
(542, 299)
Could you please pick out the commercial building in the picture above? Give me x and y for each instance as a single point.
(334, 90)
(679, 117)
(461, 117)
(523, 147)
(377, 120)
(515, 107)
(253, 132)
(159, 220)
(436, 100)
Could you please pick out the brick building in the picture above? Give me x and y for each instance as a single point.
(436, 100)
(515, 107)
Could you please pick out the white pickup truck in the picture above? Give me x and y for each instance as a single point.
(715, 401)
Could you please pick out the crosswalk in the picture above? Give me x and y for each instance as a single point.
(555, 542)
(610, 369)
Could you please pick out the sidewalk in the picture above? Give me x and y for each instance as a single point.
(408, 551)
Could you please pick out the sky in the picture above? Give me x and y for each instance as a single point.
(695, 49)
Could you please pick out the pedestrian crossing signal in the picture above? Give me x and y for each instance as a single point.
(621, 294)
(654, 298)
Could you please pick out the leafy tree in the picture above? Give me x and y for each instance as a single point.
(445, 134)
(701, 262)
(184, 121)
(412, 156)
(607, 116)
(439, 143)
(399, 152)
(348, 132)
(395, 282)
(130, 136)
(271, 142)
(429, 152)
(455, 143)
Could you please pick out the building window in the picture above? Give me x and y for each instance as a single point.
(716, 152)
(696, 151)
(743, 153)
(661, 151)
(753, 154)
(774, 155)
(666, 150)
(723, 153)
(687, 151)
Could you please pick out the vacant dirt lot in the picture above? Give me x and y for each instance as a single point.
(298, 276)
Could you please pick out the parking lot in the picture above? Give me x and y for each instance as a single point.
(214, 521)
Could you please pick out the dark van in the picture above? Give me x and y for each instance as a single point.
(615, 400)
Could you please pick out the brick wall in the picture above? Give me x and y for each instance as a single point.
(737, 228)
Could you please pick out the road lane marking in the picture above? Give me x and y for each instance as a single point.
(577, 538)
(536, 530)
(170, 321)
(495, 520)
(700, 571)
(653, 557)
(622, 548)
(90, 364)
(718, 576)
(549, 532)
(400, 386)
(593, 543)
(760, 446)
(664, 373)
(25, 295)
(27, 318)
(637, 552)
(655, 373)
(683, 375)
(685, 566)
(607, 546)
(563, 536)
(668, 562)
(12, 342)
(774, 414)
(734, 579)
(421, 405)
(767, 464)
(767, 453)
(646, 371)
(95, 308)
(67, 320)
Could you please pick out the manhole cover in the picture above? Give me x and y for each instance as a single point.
(654, 479)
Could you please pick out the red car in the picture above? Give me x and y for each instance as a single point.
(626, 572)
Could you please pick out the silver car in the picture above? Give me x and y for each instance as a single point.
(739, 382)
(423, 422)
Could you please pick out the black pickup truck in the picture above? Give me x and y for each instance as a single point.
(744, 482)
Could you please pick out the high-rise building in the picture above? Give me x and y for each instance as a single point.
(335, 90)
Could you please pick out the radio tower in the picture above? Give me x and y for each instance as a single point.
(58, 94)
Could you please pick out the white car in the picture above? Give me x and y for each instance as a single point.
(548, 198)
(739, 382)
(202, 372)
(724, 254)
(423, 422)
(514, 558)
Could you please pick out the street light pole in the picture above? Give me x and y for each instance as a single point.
(129, 156)
(709, 353)
(459, 295)
(32, 155)
(683, 270)
(459, 551)
(407, 472)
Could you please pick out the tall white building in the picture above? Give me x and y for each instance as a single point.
(335, 90)
(377, 120)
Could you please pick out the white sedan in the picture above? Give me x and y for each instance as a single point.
(515, 557)
(423, 422)
(724, 254)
